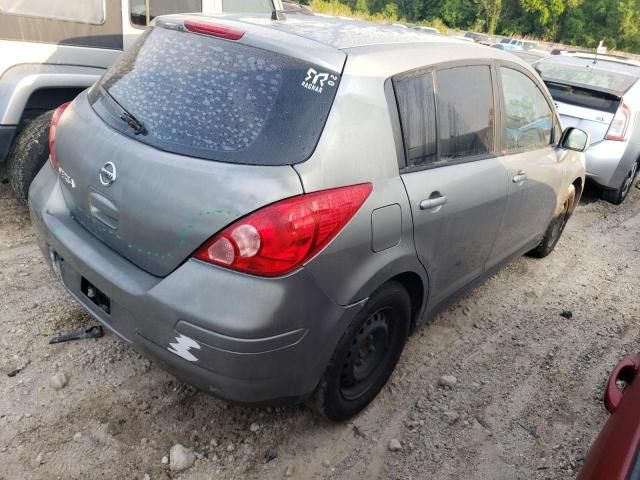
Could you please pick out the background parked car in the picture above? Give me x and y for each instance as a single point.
(431, 30)
(530, 56)
(602, 97)
(463, 38)
(614, 454)
(312, 285)
(480, 38)
(50, 51)
(507, 47)
(518, 42)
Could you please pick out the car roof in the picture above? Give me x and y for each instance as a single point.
(381, 50)
(337, 32)
(606, 64)
(600, 56)
(529, 55)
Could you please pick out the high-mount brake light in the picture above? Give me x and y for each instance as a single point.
(213, 30)
(52, 134)
(619, 124)
(280, 237)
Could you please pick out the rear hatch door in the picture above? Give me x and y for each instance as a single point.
(185, 134)
(589, 109)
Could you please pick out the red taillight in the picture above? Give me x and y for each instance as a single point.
(213, 30)
(52, 134)
(282, 236)
(619, 124)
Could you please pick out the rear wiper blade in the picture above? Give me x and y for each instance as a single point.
(137, 126)
(134, 123)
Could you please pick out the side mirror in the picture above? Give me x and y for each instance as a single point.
(575, 139)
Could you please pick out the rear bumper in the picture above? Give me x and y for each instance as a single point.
(241, 338)
(608, 161)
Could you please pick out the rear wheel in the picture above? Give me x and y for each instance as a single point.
(618, 195)
(555, 228)
(30, 152)
(366, 354)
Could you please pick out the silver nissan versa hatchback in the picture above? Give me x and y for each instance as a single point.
(268, 208)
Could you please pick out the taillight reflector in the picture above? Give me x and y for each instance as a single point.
(620, 123)
(280, 237)
(220, 31)
(52, 134)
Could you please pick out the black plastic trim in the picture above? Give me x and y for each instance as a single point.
(7, 136)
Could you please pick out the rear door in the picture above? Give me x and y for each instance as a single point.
(530, 132)
(457, 187)
(183, 135)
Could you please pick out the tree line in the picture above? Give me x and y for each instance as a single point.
(576, 22)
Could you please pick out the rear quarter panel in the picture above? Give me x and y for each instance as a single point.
(358, 146)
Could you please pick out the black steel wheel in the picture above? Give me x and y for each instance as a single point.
(366, 354)
(618, 195)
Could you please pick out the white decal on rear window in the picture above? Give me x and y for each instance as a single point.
(316, 81)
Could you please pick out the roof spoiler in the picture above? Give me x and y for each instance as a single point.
(607, 91)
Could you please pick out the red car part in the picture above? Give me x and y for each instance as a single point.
(613, 455)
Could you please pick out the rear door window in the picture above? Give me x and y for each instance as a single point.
(464, 98)
(216, 99)
(143, 11)
(416, 105)
(247, 6)
(528, 116)
(82, 11)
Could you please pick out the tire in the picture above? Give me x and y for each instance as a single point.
(30, 152)
(366, 354)
(618, 195)
(556, 227)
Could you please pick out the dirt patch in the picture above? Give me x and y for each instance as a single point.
(526, 404)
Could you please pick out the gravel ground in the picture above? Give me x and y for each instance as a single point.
(524, 403)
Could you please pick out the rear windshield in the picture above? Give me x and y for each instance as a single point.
(588, 76)
(216, 99)
(583, 97)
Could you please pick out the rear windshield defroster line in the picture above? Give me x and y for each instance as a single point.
(217, 99)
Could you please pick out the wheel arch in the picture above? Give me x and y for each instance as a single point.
(415, 281)
(415, 287)
(19, 86)
(48, 98)
(578, 184)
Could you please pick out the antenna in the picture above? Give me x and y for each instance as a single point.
(276, 14)
(595, 58)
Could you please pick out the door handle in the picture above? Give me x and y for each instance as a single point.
(519, 177)
(434, 201)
